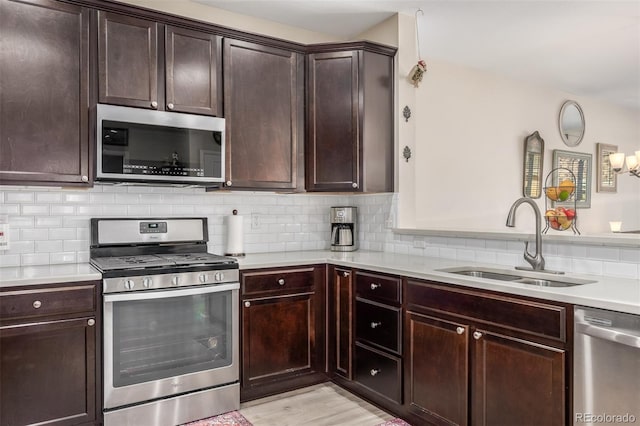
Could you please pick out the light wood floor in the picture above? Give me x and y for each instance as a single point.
(321, 405)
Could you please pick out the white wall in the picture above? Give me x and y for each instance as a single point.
(470, 128)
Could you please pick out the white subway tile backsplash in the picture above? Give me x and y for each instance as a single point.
(603, 253)
(48, 197)
(53, 246)
(9, 208)
(35, 209)
(139, 211)
(34, 259)
(19, 197)
(34, 234)
(621, 269)
(63, 209)
(630, 255)
(586, 266)
(9, 260)
(18, 222)
(63, 233)
(75, 245)
(76, 197)
(48, 221)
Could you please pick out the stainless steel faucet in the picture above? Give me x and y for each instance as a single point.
(536, 261)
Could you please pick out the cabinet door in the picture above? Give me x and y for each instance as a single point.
(343, 305)
(48, 373)
(517, 382)
(44, 93)
(278, 338)
(436, 373)
(193, 71)
(263, 105)
(333, 145)
(127, 61)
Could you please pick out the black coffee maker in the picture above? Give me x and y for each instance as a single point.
(344, 230)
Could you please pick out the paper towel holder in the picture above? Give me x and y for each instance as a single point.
(233, 253)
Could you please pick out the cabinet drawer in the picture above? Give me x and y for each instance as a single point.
(289, 280)
(40, 302)
(378, 287)
(379, 372)
(533, 317)
(378, 325)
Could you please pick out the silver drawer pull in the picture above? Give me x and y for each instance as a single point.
(247, 304)
(345, 274)
(281, 281)
(37, 304)
(460, 330)
(154, 104)
(477, 335)
(375, 324)
(374, 372)
(91, 322)
(374, 286)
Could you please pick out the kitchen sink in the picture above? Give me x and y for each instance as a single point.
(531, 278)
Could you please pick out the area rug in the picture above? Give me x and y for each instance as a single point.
(395, 422)
(232, 418)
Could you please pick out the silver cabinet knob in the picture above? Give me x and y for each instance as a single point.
(477, 335)
(345, 274)
(374, 286)
(170, 105)
(374, 372)
(154, 104)
(129, 284)
(354, 185)
(229, 183)
(175, 280)
(146, 282)
(376, 324)
(247, 304)
(91, 322)
(281, 281)
(202, 278)
(37, 304)
(460, 330)
(84, 178)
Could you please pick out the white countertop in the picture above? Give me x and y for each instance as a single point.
(617, 294)
(47, 274)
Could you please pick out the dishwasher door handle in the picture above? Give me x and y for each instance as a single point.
(610, 334)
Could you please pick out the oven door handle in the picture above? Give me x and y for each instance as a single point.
(164, 294)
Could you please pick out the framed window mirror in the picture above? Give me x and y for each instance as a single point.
(533, 159)
(580, 165)
(571, 123)
(607, 179)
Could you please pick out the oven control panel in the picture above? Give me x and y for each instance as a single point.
(163, 281)
(153, 227)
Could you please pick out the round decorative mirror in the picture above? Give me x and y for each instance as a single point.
(571, 123)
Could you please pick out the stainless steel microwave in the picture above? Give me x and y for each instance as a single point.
(148, 146)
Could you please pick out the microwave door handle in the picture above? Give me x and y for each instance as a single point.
(168, 293)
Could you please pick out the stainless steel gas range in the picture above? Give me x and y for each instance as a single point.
(170, 317)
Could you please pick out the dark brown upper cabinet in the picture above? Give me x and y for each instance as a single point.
(44, 93)
(139, 68)
(350, 118)
(264, 104)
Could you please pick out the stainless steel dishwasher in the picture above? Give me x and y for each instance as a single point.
(606, 377)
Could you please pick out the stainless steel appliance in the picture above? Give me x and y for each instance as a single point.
(344, 228)
(139, 145)
(606, 385)
(170, 315)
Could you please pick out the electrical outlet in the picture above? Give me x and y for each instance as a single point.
(4, 236)
(256, 223)
(418, 244)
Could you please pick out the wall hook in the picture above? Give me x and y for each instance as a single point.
(406, 153)
(406, 113)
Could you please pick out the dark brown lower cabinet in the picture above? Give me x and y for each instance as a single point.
(49, 367)
(341, 313)
(517, 382)
(465, 367)
(282, 330)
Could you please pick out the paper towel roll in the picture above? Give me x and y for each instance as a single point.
(235, 236)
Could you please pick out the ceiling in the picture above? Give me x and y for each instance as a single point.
(584, 47)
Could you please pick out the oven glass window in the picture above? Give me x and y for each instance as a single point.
(159, 338)
(140, 149)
